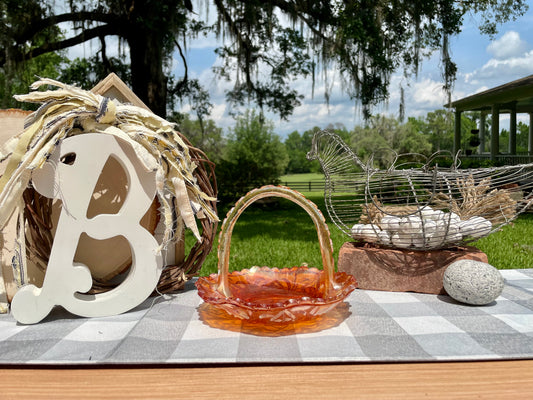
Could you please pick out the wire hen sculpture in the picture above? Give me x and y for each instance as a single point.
(415, 203)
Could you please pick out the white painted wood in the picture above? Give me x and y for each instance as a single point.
(66, 282)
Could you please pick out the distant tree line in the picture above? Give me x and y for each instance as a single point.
(251, 154)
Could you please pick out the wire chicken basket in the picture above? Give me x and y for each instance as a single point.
(415, 203)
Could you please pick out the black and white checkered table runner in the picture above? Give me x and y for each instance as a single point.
(382, 326)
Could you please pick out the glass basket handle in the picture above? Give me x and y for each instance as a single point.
(224, 241)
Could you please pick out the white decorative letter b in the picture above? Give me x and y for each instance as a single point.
(65, 281)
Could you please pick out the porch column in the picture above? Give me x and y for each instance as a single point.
(457, 132)
(530, 137)
(495, 132)
(481, 148)
(512, 131)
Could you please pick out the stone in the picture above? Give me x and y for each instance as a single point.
(473, 282)
(401, 270)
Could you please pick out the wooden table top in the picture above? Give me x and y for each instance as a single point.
(438, 380)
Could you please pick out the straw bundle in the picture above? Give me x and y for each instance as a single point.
(496, 205)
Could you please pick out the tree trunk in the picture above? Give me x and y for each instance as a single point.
(148, 80)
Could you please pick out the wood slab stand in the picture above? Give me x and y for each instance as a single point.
(488, 380)
(401, 270)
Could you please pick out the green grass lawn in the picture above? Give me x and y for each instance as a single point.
(512, 246)
(279, 235)
(302, 177)
(283, 235)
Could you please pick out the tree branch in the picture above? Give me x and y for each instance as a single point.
(105, 60)
(299, 13)
(99, 31)
(182, 81)
(35, 27)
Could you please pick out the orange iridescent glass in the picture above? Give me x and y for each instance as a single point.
(220, 319)
(272, 295)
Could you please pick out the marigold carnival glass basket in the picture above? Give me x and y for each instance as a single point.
(273, 295)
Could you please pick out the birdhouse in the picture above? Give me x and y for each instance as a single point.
(100, 190)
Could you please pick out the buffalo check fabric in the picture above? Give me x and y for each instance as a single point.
(380, 326)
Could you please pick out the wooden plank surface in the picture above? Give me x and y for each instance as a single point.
(443, 380)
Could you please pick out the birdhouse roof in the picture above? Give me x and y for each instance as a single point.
(113, 87)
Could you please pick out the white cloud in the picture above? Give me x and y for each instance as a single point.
(217, 113)
(186, 108)
(511, 60)
(511, 66)
(429, 93)
(508, 46)
(481, 89)
(499, 71)
(313, 113)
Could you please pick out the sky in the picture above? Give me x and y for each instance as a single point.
(482, 63)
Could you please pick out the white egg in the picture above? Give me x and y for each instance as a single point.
(451, 232)
(454, 218)
(446, 225)
(483, 229)
(390, 223)
(401, 240)
(440, 214)
(418, 241)
(410, 225)
(430, 226)
(434, 215)
(467, 227)
(384, 238)
(414, 219)
(476, 227)
(447, 231)
(365, 232)
(434, 239)
(356, 231)
(454, 237)
(453, 228)
(428, 213)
